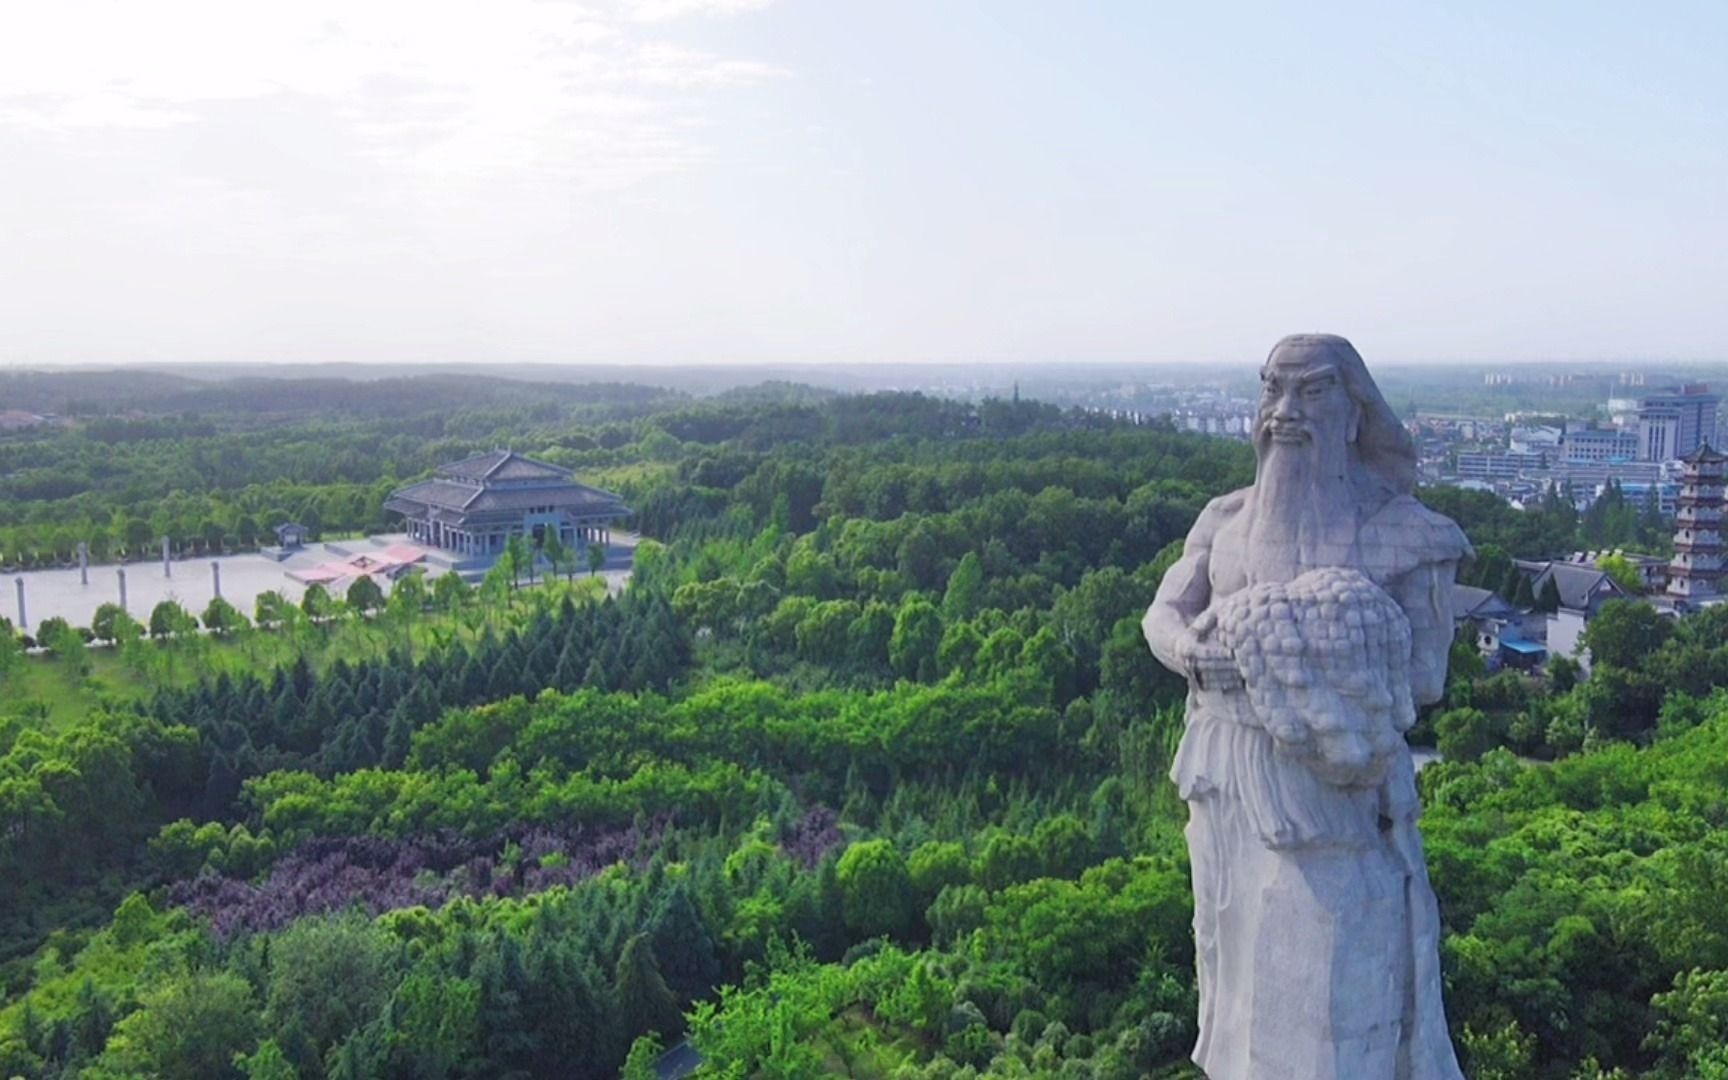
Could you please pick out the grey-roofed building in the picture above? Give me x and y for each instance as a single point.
(1498, 627)
(473, 506)
(1583, 588)
(1470, 603)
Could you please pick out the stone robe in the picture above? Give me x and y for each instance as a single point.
(1315, 925)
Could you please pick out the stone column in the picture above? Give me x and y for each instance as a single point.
(122, 573)
(83, 563)
(23, 618)
(167, 567)
(216, 578)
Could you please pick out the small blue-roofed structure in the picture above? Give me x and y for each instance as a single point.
(1525, 655)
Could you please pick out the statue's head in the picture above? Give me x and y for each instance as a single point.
(1319, 408)
(1325, 660)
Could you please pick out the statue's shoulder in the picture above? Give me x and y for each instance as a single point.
(1215, 514)
(1403, 534)
(1227, 505)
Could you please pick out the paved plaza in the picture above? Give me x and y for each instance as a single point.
(191, 582)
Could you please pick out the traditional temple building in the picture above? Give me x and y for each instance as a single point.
(473, 506)
(1692, 576)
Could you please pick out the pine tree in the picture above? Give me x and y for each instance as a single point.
(1523, 597)
(571, 665)
(398, 736)
(1548, 600)
(506, 677)
(541, 669)
(1507, 586)
(284, 716)
(595, 678)
(510, 1041)
(471, 688)
(366, 691)
(572, 1017)
(683, 945)
(318, 719)
(301, 677)
(645, 1003)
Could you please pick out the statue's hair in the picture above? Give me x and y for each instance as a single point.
(1383, 447)
(1329, 628)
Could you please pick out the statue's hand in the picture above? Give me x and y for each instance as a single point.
(1210, 665)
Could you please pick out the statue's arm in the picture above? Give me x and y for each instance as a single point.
(1184, 593)
(1425, 594)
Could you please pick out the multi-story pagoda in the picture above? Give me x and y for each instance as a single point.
(472, 507)
(1698, 527)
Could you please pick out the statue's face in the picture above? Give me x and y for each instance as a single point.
(1303, 402)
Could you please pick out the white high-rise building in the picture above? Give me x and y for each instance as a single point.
(1673, 425)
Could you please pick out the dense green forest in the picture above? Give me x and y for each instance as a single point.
(863, 775)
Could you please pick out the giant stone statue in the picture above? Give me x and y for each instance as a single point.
(1311, 615)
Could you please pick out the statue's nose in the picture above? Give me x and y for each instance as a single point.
(1285, 408)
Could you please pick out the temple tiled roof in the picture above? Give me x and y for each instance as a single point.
(572, 496)
(439, 493)
(456, 497)
(472, 487)
(502, 465)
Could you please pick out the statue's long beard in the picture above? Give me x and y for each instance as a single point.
(1296, 510)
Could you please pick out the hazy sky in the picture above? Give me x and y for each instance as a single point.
(814, 180)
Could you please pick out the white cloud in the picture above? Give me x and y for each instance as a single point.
(666, 10)
(430, 89)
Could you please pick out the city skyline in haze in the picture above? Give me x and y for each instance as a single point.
(676, 182)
